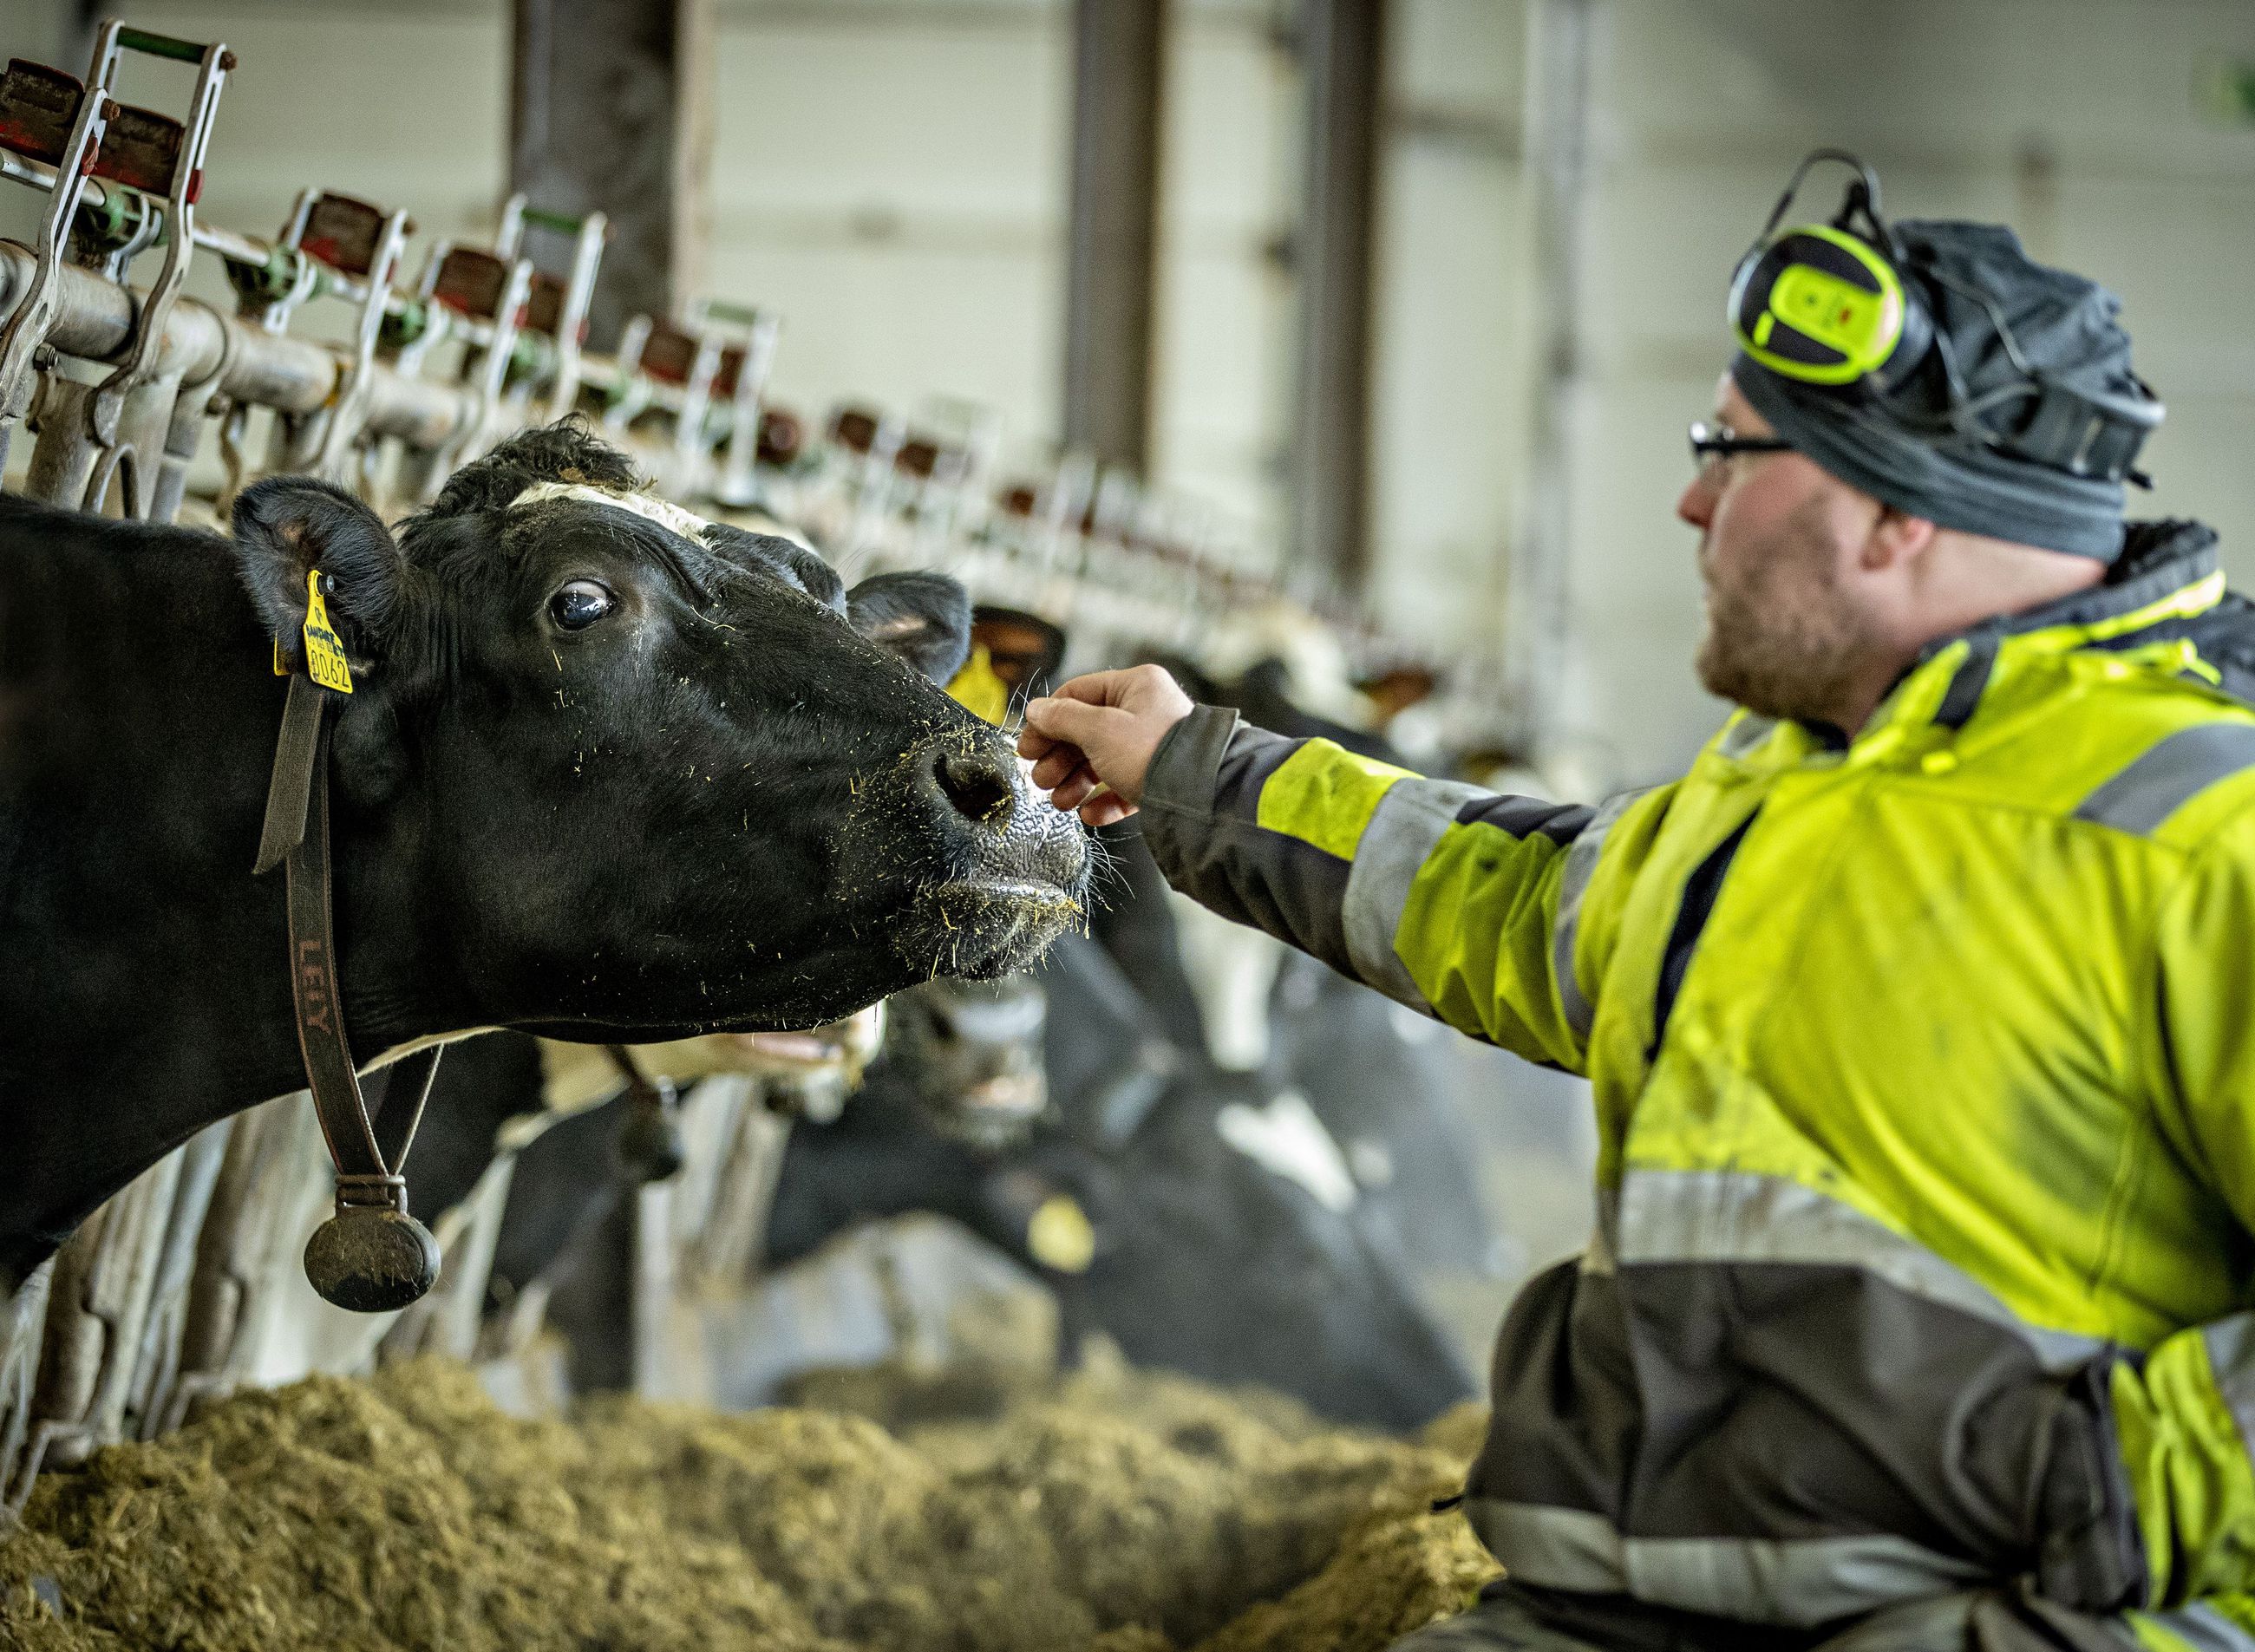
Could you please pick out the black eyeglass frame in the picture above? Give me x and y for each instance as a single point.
(1719, 440)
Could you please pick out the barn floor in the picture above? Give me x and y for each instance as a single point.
(1111, 1511)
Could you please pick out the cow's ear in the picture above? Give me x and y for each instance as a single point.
(924, 618)
(287, 526)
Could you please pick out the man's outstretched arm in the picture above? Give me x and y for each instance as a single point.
(1462, 903)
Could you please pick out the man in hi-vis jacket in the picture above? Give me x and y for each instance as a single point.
(1920, 1014)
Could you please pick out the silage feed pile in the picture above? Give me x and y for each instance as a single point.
(1110, 1512)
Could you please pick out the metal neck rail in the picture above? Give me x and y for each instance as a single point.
(95, 319)
(122, 181)
(125, 425)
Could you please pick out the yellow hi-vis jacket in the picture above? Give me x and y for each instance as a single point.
(1924, 1067)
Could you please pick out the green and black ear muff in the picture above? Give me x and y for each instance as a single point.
(1820, 305)
(1838, 304)
(1825, 303)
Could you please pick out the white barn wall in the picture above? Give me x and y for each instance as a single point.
(1451, 336)
(1222, 361)
(894, 186)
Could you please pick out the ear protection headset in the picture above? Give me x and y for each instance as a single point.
(1843, 306)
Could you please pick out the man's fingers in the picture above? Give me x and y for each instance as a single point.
(1052, 770)
(1070, 792)
(1093, 688)
(1106, 808)
(1077, 722)
(1101, 728)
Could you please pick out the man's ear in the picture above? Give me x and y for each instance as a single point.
(1896, 536)
(924, 618)
(287, 526)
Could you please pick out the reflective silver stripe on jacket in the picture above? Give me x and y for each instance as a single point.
(1800, 1581)
(1745, 735)
(1737, 1216)
(1408, 823)
(1581, 865)
(2200, 1626)
(2232, 1362)
(2174, 771)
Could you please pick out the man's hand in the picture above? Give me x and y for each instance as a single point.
(1091, 743)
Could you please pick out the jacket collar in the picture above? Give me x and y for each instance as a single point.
(2166, 573)
(2165, 566)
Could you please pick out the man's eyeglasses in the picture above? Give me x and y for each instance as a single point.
(1713, 444)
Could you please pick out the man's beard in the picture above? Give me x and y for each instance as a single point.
(1780, 639)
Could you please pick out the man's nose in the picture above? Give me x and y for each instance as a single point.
(1696, 504)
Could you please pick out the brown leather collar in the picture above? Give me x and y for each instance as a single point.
(371, 1255)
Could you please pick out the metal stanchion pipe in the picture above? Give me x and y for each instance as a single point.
(94, 322)
(228, 243)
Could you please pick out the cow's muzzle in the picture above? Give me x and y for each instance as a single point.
(1011, 872)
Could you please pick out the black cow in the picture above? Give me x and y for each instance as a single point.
(1383, 1080)
(964, 1055)
(598, 779)
(967, 1052)
(1383, 1087)
(482, 1084)
(1204, 1260)
(968, 1055)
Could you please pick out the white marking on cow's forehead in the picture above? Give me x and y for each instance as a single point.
(672, 517)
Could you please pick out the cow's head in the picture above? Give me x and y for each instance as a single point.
(611, 773)
(970, 1054)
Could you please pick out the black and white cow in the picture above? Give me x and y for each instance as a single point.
(1383, 1080)
(1197, 1254)
(600, 779)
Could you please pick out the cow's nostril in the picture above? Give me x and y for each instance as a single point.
(979, 787)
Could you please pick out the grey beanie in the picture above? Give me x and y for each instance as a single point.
(1895, 448)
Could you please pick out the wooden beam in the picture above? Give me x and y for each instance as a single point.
(611, 109)
(1118, 50)
(1342, 59)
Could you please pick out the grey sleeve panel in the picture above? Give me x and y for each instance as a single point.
(1201, 804)
(1523, 817)
(1181, 782)
(1409, 821)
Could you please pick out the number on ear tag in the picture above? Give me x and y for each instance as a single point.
(325, 649)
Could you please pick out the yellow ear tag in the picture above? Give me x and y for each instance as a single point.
(1059, 1236)
(978, 689)
(325, 649)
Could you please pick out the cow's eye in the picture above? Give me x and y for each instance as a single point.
(580, 604)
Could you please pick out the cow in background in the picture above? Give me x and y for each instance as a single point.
(1157, 1202)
